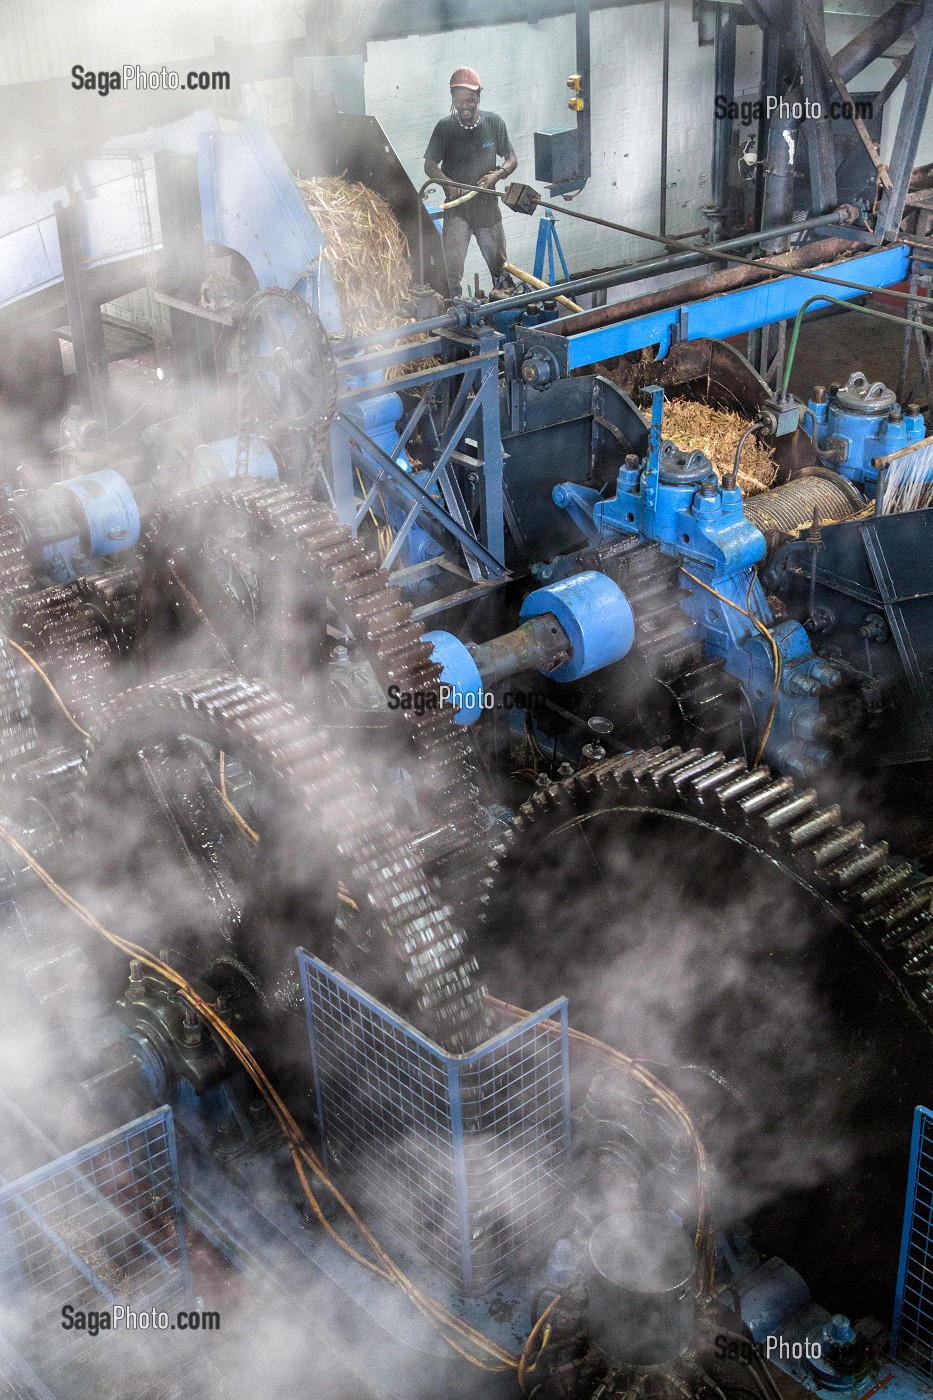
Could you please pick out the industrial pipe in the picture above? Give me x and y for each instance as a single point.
(670, 262)
(724, 279)
(612, 277)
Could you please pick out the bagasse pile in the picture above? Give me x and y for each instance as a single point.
(366, 253)
(716, 432)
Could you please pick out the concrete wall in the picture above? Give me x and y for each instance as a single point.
(524, 70)
(523, 66)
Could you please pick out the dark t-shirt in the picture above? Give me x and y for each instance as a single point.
(467, 154)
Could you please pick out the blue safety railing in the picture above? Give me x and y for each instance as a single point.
(18, 1380)
(99, 1226)
(912, 1332)
(464, 1156)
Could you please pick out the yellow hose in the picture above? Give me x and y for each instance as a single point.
(533, 281)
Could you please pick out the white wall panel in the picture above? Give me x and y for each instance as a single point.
(524, 70)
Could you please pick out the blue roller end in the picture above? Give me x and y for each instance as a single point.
(109, 508)
(595, 614)
(460, 674)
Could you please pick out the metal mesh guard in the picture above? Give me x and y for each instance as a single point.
(99, 1226)
(463, 1155)
(912, 1333)
(18, 1381)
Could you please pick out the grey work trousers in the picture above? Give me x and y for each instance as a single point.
(457, 233)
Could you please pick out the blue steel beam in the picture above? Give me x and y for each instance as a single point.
(732, 313)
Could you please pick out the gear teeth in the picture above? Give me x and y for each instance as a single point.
(274, 736)
(675, 759)
(766, 797)
(826, 819)
(644, 764)
(309, 540)
(668, 640)
(870, 894)
(776, 818)
(919, 959)
(853, 871)
(698, 766)
(717, 777)
(897, 920)
(68, 638)
(845, 840)
(887, 883)
(748, 782)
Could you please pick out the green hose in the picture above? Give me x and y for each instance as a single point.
(836, 301)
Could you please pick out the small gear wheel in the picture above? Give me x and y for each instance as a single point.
(287, 359)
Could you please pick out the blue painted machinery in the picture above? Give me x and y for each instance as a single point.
(659, 497)
(859, 423)
(664, 647)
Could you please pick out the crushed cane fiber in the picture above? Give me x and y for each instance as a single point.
(715, 432)
(366, 252)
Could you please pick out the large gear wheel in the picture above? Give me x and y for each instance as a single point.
(63, 634)
(880, 901)
(153, 778)
(16, 575)
(704, 916)
(70, 641)
(306, 572)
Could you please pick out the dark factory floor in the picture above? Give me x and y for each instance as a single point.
(832, 346)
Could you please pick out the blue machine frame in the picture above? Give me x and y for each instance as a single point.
(733, 313)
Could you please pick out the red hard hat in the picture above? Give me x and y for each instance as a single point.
(465, 77)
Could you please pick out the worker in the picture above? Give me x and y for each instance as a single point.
(466, 146)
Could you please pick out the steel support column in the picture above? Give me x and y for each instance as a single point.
(84, 316)
(909, 126)
(492, 524)
(584, 118)
(665, 111)
(194, 339)
(725, 85)
(777, 136)
(821, 153)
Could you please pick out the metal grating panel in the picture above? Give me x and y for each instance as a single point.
(463, 1155)
(98, 1226)
(18, 1381)
(912, 1333)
